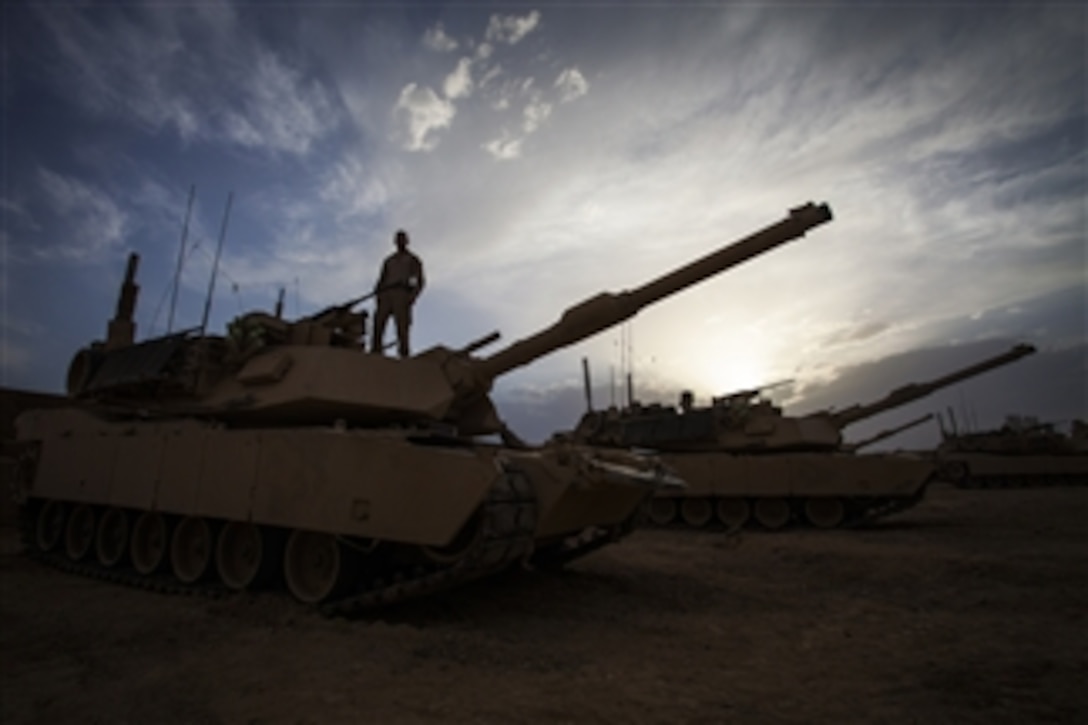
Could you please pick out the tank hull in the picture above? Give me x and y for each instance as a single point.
(827, 490)
(991, 470)
(411, 511)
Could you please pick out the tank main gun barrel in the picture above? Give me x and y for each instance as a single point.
(749, 393)
(914, 391)
(608, 309)
(885, 434)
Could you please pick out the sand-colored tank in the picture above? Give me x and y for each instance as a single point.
(1023, 452)
(284, 450)
(746, 462)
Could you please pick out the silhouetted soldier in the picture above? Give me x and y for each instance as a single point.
(397, 288)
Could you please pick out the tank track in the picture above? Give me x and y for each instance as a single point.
(556, 556)
(878, 508)
(1023, 481)
(508, 521)
(161, 582)
(859, 512)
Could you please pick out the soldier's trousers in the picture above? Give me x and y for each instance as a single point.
(402, 317)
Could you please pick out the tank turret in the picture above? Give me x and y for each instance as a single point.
(746, 421)
(316, 369)
(1023, 452)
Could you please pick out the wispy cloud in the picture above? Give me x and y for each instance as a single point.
(191, 71)
(491, 72)
(571, 84)
(95, 220)
(436, 39)
(459, 83)
(425, 113)
(510, 29)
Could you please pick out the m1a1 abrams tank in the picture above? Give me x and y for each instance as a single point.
(1022, 453)
(744, 461)
(285, 447)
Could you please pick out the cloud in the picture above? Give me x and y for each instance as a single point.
(571, 84)
(458, 84)
(535, 113)
(194, 72)
(504, 148)
(424, 113)
(354, 189)
(16, 212)
(501, 89)
(95, 220)
(861, 332)
(279, 110)
(436, 39)
(511, 29)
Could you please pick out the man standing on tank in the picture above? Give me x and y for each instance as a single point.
(397, 288)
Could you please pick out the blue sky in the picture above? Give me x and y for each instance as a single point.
(539, 152)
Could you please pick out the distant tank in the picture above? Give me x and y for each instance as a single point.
(1021, 453)
(283, 450)
(744, 461)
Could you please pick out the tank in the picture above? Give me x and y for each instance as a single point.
(745, 462)
(1023, 452)
(284, 452)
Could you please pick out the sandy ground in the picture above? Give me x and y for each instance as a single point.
(970, 608)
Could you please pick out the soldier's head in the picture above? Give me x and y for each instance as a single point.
(401, 239)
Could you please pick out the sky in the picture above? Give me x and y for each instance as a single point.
(540, 153)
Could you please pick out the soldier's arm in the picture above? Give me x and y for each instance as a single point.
(419, 277)
(381, 277)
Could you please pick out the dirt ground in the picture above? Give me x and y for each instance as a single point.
(971, 608)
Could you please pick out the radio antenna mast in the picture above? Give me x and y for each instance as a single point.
(215, 265)
(181, 259)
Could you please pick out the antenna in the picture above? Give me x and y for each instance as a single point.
(630, 363)
(623, 360)
(612, 383)
(215, 265)
(181, 258)
(589, 387)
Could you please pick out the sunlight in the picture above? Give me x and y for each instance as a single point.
(716, 364)
(728, 369)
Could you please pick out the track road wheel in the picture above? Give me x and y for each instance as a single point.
(662, 511)
(111, 542)
(772, 513)
(191, 549)
(49, 529)
(315, 566)
(825, 513)
(733, 512)
(696, 512)
(149, 543)
(79, 533)
(245, 556)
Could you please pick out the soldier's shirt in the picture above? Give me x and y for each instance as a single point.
(401, 271)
